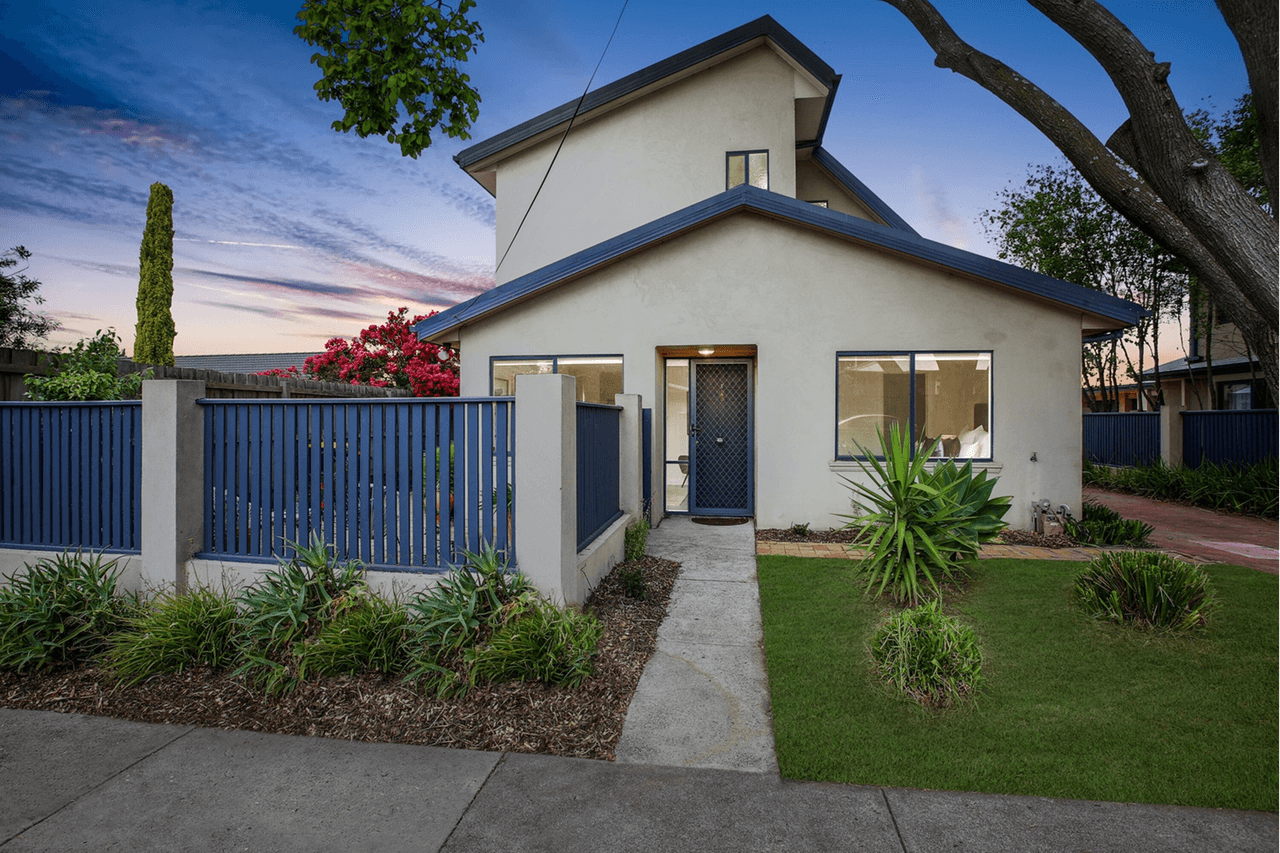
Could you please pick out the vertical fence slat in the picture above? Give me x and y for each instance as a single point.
(377, 467)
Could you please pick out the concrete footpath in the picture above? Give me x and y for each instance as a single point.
(75, 782)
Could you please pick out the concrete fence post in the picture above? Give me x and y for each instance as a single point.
(546, 504)
(172, 479)
(630, 454)
(1171, 435)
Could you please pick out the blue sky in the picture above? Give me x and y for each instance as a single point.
(288, 233)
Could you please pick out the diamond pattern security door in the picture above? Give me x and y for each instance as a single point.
(720, 440)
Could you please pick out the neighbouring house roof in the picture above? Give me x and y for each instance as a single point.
(660, 73)
(244, 362)
(1180, 367)
(1110, 310)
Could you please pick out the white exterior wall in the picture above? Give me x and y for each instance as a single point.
(648, 158)
(800, 297)
(813, 184)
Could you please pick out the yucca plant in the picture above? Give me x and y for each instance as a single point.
(920, 526)
(60, 610)
(928, 656)
(1146, 589)
(175, 632)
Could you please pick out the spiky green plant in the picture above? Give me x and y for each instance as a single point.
(550, 644)
(368, 633)
(1101, 525)
(920, 526)
(60, 610)
(153, 337)
(1146, 589)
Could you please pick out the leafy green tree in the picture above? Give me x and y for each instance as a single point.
(153, 338)
(1056, 224)
(1236, 139)
(1153, 168)
(20, 327)
(381, 56)
(90, 370)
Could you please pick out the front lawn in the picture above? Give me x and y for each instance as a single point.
(1071, 707)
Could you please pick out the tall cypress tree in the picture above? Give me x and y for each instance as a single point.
(153, 338)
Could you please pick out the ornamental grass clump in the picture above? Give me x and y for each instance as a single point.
(553, 645)
(1146, 589)
(368, 633)
(60, 610)
(920, 526)
(175, 632)
(1102, 525)
(928, 656)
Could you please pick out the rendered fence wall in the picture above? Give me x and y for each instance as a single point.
(395, 484)
(71, 475)
(1229, 437)
(1122, 438)
(598, 502)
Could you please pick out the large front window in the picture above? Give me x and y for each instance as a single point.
(933, 396)
(599, 376)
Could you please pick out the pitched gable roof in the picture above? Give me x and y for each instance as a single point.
(672, 68)
(833, 167)
(1113, 311)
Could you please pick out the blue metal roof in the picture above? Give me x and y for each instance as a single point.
(747, 198)
(761, 27)
(859, 190)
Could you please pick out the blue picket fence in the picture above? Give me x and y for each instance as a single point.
(598, 496)
(1241, 436)
(71, 476)
(1122, 438)
(401, 485)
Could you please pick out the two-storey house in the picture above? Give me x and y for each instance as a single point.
(695, 244)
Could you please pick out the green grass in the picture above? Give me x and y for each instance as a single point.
(1072, 707)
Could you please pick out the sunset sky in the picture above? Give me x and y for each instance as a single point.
(288, 233)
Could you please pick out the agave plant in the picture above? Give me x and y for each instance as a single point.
(921, 525)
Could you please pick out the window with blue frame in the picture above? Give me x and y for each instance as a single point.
(941, 399)
(746, 167)
(599, 376)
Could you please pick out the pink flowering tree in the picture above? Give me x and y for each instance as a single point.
(386, 356)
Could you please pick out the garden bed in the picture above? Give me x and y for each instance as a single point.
(583, 722)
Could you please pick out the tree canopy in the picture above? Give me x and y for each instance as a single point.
(381, 57)
(20, 327)
(1154, 169)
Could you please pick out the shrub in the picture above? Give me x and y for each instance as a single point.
(633, 582)
(1248, 489)
(1101, 525)
(60, 610)
(1145, 589)
(920, 525)
(177, 631)
(636, 538)
(928, 656)
(88, 371)
(465, 607)
(545, 643)
(800, 529)
(368, 633)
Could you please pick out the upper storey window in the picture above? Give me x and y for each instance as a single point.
(747, 167)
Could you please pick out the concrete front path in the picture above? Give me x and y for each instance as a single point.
(69, 782)
(703, 700)
(1201, 534)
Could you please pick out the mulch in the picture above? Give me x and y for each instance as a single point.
(790, 534)
(583, 722)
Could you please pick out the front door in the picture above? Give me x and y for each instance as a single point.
(720, 435)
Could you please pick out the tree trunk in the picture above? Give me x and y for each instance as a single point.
(1184, 198)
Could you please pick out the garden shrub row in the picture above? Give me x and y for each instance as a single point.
(311, 616)
(1249, 489)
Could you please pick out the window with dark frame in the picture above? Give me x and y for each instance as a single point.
(599, 376)
(746, 167)
(942, 400)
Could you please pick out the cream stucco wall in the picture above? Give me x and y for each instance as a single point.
(800, 297)
(814, 184)
(647, 158)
